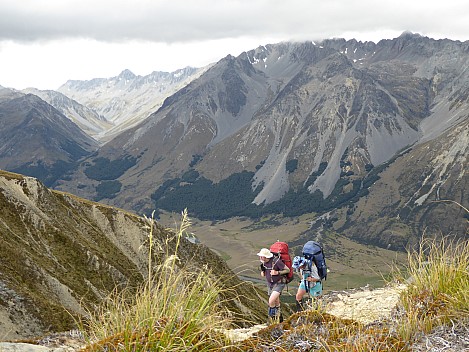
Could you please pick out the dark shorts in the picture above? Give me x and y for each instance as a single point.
(278, 287)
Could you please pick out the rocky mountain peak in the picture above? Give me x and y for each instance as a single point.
(127, 99)
(126, 75)
(410, 35)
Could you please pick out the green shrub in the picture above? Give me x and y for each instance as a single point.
(105, 169)
(107, 189)
(291, 165)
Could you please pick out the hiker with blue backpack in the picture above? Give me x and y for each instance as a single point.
(310, 281)
(313, 269)
(273, 269)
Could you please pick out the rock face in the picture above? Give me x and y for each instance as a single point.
(61, 255)
(366, 305)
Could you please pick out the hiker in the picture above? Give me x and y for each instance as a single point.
(310, 280)
(273, 269)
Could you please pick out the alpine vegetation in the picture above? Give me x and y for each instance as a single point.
(438, 289)
(175, 309)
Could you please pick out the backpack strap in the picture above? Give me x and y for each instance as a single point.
(276, 261)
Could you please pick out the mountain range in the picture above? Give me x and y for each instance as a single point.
(127, 99)
(370, 136)
(36, 139)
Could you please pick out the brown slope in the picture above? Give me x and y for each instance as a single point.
(60, 254)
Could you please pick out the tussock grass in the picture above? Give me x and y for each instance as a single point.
(177, 309)
(316, 330)
(438, 289)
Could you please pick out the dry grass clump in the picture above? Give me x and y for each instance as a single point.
(177, 309)
(438, 292)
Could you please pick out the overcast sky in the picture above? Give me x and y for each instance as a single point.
(44, 43)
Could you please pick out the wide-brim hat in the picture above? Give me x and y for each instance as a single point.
(264, 252)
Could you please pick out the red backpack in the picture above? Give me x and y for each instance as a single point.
(280, 250)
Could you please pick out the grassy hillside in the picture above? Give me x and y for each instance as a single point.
(61, 255)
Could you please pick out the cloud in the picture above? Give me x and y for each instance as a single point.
(197, 20)
(43, 43)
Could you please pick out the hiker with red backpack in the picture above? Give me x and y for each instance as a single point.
(276, 267)
(274, 270)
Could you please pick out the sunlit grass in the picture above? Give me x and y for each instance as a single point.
(176, 309)
(438, 288)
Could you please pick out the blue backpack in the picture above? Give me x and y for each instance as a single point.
(313, 252)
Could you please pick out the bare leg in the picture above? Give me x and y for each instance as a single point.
(274, 299)
(300, 294)
(274, 307)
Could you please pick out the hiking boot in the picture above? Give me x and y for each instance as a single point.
(274, 319)
(279, 315)
(274, 315)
